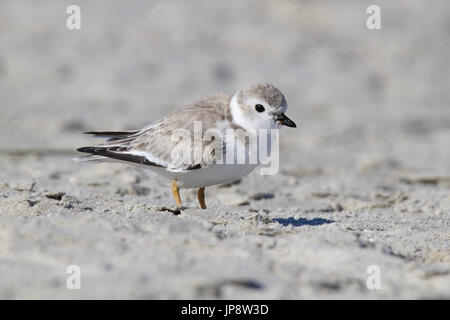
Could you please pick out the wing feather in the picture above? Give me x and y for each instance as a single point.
(153, 145)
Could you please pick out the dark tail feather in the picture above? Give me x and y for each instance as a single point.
(114, 152)
(112, 135)
(87, 150)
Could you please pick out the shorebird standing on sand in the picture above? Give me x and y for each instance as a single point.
(258, 107)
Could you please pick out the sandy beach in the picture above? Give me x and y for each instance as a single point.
(364, 180)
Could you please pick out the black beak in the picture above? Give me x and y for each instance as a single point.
(282, 119)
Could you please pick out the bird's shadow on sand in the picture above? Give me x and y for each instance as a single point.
(302, 221)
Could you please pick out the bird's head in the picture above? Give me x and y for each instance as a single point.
(260, 106)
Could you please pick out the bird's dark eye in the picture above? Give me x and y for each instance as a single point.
(259, 108)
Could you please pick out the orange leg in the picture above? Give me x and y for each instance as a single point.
(201, 197)
(176, 192)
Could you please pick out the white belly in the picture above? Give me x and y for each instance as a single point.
(215, 174)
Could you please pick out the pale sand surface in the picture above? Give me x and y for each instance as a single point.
(364, 180)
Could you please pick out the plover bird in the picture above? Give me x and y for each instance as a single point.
(249, 111)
